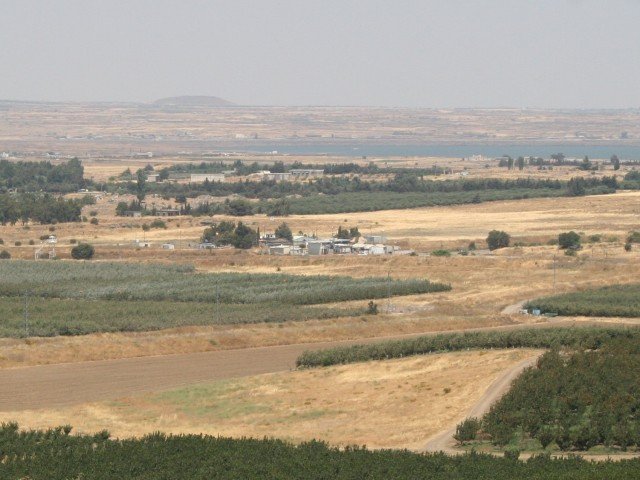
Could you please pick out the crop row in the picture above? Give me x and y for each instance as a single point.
(117, 281)
(584, 337)
(611, 301)
(48, 317)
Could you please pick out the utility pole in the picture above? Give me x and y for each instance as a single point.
(26, 314)
(389, 291)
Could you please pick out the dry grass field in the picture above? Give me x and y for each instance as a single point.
(396, 403)
(483, 284)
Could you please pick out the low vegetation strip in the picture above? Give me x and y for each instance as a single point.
(58, 454)
(48, 317)
(374, 201)
(575, 402)
(586, 337)
(611, 301)
(121, 281)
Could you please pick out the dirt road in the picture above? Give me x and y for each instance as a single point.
(444, 442)
(49, 386)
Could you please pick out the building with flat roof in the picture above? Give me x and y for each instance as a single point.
(203, 177)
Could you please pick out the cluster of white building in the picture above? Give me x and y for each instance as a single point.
(291, 175)
(303, 245)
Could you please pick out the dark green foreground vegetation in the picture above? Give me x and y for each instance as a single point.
(576, 401)
(580, 338)
(611, 301)
(56, 454)
(75, 298)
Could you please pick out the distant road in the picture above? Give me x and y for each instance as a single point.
(59, 385)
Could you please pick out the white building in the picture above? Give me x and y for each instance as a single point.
(211, 177)
(301, 173)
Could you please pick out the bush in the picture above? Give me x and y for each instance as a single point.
(1, 241)
(17, 243)
(73, 241)
(83, 251)
(32, 242)
(498, 239)
(512, 453)
(372, 308)
(569, 240)
(157, 223)
(467, 430)
(94, 221)
(441, 253)
(634, 237)
(93, 213)
(4, 255)
(627, 247)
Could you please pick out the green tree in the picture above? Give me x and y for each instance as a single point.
(283, 231)
(520, 163)
(615, 161)
(243, 236)
(498, 239)
(141, 182)
(82, 251)
(467, 430)
(569, 240)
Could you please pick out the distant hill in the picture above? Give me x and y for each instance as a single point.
(194, 101)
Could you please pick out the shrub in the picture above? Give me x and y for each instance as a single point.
(441, 253)
(157, 223)
(93, 213)
(498, 239)
(512, 453)
(32, 242)
(94, 221)
(569, 240)
(4, 255)
(17, 243)
(472, 246)
(634, 237)
(467, 430)
(82, 251)
(1, 241)
(627, 247)
(372, 308)
(73, 241)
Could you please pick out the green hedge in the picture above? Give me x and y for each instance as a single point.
(55, 455)
(586, 337)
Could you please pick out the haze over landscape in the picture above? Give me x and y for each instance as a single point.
(413, 53)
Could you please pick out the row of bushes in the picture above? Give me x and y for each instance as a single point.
(120, 281)
(610, 301)
(583, 337)
(57, 454)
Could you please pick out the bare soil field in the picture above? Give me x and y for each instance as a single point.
(396, 403)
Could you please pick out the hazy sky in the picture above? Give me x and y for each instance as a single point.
(413, 53)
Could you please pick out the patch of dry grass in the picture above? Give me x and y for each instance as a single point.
(383, 404)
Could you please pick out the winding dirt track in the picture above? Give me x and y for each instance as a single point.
(58, 385)
(444, 442)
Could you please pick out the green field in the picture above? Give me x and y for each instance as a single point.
(49, 317)
(611, 301)
(573, 401)
(56, 454)
(76, 298)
